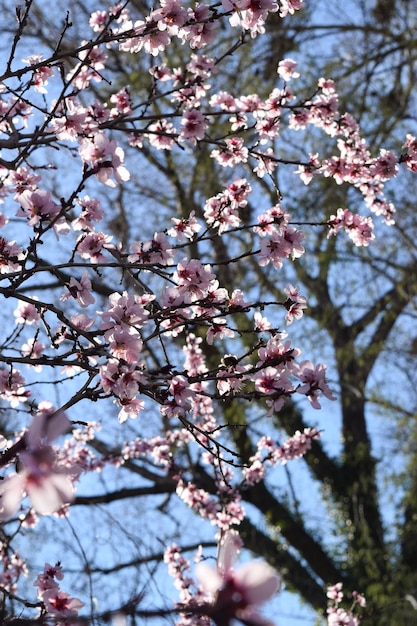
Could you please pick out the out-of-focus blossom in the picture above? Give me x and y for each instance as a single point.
(237, 593)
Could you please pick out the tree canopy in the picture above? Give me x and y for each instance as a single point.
(208, 277)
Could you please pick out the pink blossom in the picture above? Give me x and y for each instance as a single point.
(278, 351)
(105, 157)
(91, 62)
(130, 408)
(98, 20)
(23, 178)
(162, 134)
(40, 73)
(90, 212)
(385, 166)
(273, 381)
(47, 485)
(218, 330)
(72, 121)
(231, 153)
(152, 35)
(314, 379)
(224, 100)
(122, 103)
(358, 227)
(26, 312)
(267, 163)
(47, 425)
(37, 206)
(231, 374)
(286, 69)
(33, 349)
(61, 604)
(289, 6)
(409, 153)
(12, 387)
(124, 343)
(193, 126)
(91, 245)
(173, 14)
(200, 30)
(41, 477)
(181, 392)
(46, 580)
(156, 250)
(273, 250)
(126, 311)
(295, 304)
(250, 15)
(187, 228)
(272, 220)
(237, 593)
(335, 592)
(193, 279)
(80, 290)
(261, 322)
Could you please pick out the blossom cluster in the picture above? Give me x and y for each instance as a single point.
(339, 616)
(57, 603)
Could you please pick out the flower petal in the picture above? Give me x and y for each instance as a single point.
(259, 581)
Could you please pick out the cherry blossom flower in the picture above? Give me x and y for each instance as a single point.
(41, 74)
(26, 312)
(161, 134)
(180, 390)
(12, 387)
(314, 379)
(231, 153)
(61, 604)
(90, 212)
(33, 349)
(286, 69)
(200, 30)
(46, 580)
(126, 311)
(37, 206)
(90, 246)
(295, 304)
(173, 14)
(409, 153)
(237, 593)
(193, 279)
(338, 616)
(124, 343)
(289, 6)
(80, 290)
(10, 255)
(91, 62)
(98, 20)
(41, 477)
(187, 228)
(47, 485)
(72, 121)
(218, 330)
(23, 178)
(105, 157)
(193, 126)
(334, 592)
(156, 250)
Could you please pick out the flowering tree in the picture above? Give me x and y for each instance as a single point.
(169, 366)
